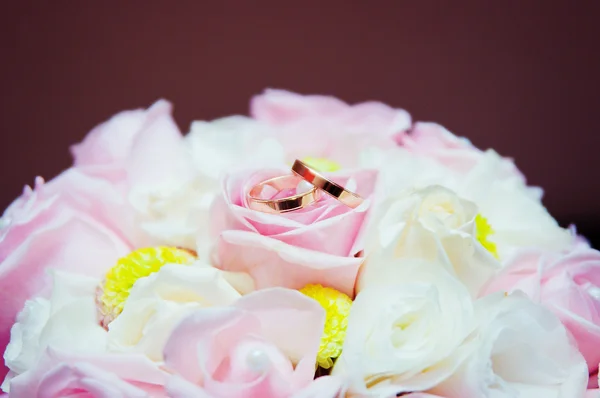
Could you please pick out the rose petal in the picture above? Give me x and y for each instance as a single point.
(273, 263)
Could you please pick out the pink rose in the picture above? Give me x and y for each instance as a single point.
(568, 284)
(59, 376)
(315, 245)
(106, 150)
(144, 155)
(328, 127)
(457, 153)
(93, 213)
(246, 350)
(73, 223)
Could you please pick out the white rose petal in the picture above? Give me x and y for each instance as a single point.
(522, 351)
(158, 302)
(230, 143)
(66, 321)
(513, 209)
(22, 351)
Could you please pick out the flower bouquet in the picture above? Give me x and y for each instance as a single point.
(314, 249)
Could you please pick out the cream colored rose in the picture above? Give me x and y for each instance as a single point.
(408, 329)
(158, 302)
(513, 209)
(431, 223)
(521, 350)
(65, 321)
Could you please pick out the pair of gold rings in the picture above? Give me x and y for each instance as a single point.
(301, 172)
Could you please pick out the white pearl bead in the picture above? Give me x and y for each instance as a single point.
(258, 361)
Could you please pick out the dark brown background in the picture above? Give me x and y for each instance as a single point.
(519, 76)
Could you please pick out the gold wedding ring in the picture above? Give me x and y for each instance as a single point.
(281, 205)
(338, 192)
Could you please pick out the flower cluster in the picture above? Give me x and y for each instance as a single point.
(141, 271)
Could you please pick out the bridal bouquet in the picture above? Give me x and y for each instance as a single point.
(314, 249)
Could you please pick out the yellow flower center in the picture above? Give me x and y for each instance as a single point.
(322, 164)
(337, 308)
(483, 232)
(114, 291)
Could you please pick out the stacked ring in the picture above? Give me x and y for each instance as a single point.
(302, 172)
(282, 205)
(338, 192)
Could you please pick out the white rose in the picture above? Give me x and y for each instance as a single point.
(522, 351)
(513, 209)
(65, 321)
(429, 223)
(407, 331)
(227, 144)
(158, 302)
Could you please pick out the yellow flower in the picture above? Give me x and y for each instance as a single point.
(119, 280)
(483, 231)
(337, 308)
(322, 164)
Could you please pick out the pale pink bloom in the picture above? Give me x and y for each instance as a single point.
(144, 155)
(323, 387)
(265, 345)
(58, 375)
(73, 223)
(326, 127)
(457, 153)
(521, 349)
(93, 213)
(314, 245)
(106, 151)
(568, 284)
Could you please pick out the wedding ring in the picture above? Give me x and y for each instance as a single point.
(340, 193)
(281, 205)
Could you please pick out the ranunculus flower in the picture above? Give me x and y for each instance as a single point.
(425, 224)
(522, 351)
(314, 245)
(407, 331)
(264, 345)
(568, 284)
